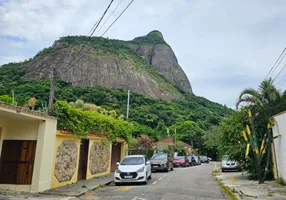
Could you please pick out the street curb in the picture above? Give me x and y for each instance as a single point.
(93, 188)
(232, 191)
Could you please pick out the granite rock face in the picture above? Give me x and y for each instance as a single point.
(146, 65)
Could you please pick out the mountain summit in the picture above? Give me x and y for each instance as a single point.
(146, 65)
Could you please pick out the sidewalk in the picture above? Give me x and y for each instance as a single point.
(81, 187)
(244, 188)
(68, 192)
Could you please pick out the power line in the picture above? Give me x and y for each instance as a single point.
(106, 30)
(279, 72)
(274, 67)
(118, 17)
(96, 26)
(110, 15)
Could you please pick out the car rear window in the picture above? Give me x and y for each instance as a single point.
(159, 156)
(180, 158)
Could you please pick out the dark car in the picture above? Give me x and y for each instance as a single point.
(204, 159)
(192, 160)
(197, 160)
(181, 161)
(161, 162)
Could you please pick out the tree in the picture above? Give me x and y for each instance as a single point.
(6, 99)
(190, 133)
(211, 142)
(32, 102)
(266, 94)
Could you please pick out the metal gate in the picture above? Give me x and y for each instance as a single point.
(115, 155)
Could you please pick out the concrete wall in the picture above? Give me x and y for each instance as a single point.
(280, 145)
(59, 148)
(99, 158)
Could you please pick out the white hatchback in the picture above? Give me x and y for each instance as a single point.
(133, 168)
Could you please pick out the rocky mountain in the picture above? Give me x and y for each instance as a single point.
(146, 65)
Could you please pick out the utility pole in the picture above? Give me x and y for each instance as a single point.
(175, 138)
(52, 89)
(128, 99)
(224, 110)
(13, 97)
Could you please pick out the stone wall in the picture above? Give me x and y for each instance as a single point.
(66, 160)
(99, 158)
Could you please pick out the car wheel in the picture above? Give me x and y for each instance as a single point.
(222, 170)
(172, 169)
(150, 177)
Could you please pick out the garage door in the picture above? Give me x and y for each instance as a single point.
(17, 162)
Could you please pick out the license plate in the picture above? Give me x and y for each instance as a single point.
(155, 166)
(127, 176)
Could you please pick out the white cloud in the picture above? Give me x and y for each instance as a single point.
(223, 46)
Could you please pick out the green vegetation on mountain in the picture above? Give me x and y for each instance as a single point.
(150, 116)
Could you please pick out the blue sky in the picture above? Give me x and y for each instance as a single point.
(223, 46)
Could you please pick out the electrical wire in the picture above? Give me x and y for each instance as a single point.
(274, 67)
(106, 30)
(96, 26)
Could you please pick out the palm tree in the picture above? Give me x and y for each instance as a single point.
(266, 93)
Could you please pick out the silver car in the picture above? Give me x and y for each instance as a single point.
(229, 165)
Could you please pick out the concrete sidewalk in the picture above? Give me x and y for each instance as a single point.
(68, 192)
(81, 187)
(244, 188)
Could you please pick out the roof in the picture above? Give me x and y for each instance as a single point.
(21, 111)
(168, 140)
(281, 113)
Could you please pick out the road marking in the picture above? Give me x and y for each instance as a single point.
(154, 183)
(135, 198)
(124, 189)
(160, 178)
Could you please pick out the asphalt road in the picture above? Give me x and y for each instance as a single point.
(181, 184)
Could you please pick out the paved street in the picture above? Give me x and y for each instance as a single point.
(183, 183)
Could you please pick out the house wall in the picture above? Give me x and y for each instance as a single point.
(17, 130)
(66, 155)
(43, 131)
(280, 145)
(43, 165)
(99, 157)
(67, 151)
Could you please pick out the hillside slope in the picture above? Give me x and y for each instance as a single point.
(145, 65)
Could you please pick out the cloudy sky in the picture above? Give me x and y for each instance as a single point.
(223, 46)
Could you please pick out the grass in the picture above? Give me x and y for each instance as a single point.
(228, 191)
(281, 181)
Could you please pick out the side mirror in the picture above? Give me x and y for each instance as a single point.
(148, 163)
(117, 163)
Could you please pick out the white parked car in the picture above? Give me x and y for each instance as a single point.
(133, 168)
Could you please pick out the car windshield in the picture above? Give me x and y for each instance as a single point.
(195, 157)
(159, 157)
(180, 158)
(132, 161)
(225, 158)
